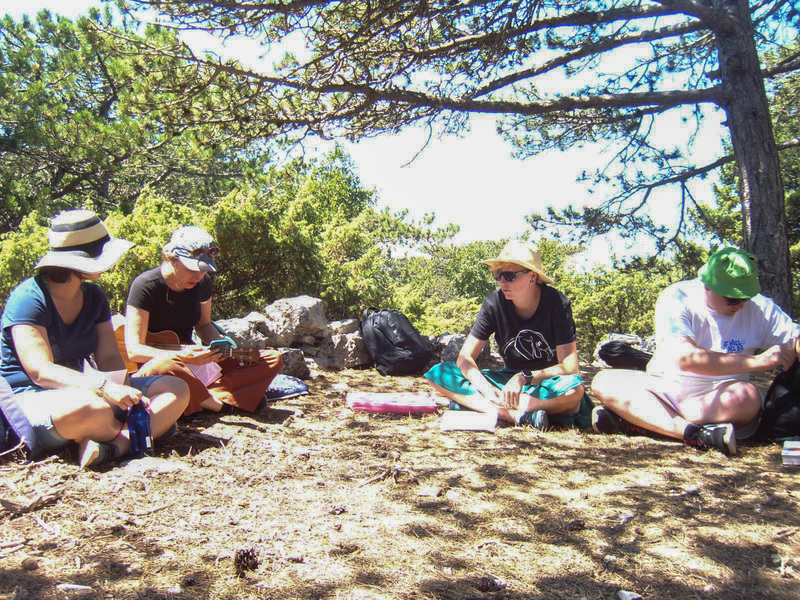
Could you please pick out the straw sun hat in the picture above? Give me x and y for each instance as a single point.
(79, 241)
(521, 253)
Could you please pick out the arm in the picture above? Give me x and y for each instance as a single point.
(34, 352)
(466, 363)
(694, 359)
(567, 355)
(136, 322)
(107, 355)
(205, 329)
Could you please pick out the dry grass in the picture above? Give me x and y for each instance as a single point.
(332, 504)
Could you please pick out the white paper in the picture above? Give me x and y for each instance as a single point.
(207, 374)
(468, 420)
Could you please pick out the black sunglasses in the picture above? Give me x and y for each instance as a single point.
(734, 301)
(212, 251)
(509, 276)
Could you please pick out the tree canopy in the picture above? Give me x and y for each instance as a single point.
(77, 123)
(556, 74)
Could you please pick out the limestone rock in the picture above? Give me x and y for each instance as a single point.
(251, 330)
(293, 318)
(294, 363)
(344, 326)
(343, 351)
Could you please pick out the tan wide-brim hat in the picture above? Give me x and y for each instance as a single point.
(521, 253)
(79, 241)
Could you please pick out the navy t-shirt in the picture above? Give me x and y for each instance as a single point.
(31, 304)
(529, 344)
(169, 310)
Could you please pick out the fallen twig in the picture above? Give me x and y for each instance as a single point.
(384, 475)
(11, 550)
(20, 509)
(152, 510)
(14, 449)
(16, 542)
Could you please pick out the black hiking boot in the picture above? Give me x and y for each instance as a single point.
(604, 420)
(719, 436)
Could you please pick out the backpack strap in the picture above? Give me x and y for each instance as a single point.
(21, 429)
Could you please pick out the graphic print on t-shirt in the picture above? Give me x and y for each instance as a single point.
(529, 345)
(733, 346)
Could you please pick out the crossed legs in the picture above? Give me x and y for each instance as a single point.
(631, 395)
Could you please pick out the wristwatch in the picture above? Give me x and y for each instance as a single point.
(528, 375)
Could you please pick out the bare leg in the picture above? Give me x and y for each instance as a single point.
(211, 404)
(169, 397)
(477, 401)
(737, 402)
(625, 393)
(566, 403)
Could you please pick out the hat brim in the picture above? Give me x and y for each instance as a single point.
(493, 262)
(79, 261)
(203, 263)
(743, 290)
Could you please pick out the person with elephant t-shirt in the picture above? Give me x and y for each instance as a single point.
(533, 326)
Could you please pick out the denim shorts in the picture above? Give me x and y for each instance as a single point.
(39, 405)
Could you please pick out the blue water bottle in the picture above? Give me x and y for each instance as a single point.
(139, 430)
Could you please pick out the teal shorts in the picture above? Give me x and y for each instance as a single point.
(448, 376)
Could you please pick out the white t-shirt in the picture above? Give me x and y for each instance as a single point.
(682, 312)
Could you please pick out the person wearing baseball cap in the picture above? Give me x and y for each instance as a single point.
(52, 325)
(176, 297)
(709, 331)
(535, 332)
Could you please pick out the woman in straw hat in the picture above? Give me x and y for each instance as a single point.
(533, 326)
(176, 297)
(52, 324)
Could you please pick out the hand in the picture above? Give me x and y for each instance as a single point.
(123, 396)
(199, 355)
(490, 393)
(511, 391)
(782, 355)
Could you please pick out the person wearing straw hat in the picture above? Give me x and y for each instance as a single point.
(708, 332)
(52, 324)
(535, 333)
(176, 296)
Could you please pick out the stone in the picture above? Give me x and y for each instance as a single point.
(293, 318)
(251, 330)
(450, 344)
(343, 351)
(294, 363)
(344, 326)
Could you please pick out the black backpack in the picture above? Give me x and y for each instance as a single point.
(781, 417)
(394, 345)
(620, 355)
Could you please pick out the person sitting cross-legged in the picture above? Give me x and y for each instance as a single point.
(696, 387)
(532, 323)
(56, 322)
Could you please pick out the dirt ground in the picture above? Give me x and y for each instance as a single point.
(310, 500)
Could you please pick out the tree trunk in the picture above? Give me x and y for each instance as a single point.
(761, 189)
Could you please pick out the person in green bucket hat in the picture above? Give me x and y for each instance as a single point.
(708, 332)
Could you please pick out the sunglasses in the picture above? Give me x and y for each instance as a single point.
(734, 301)
(509, 276)
(212, 251)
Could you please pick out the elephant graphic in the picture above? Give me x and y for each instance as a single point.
(529, 345)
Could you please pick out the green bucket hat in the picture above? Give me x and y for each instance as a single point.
(731, 272)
